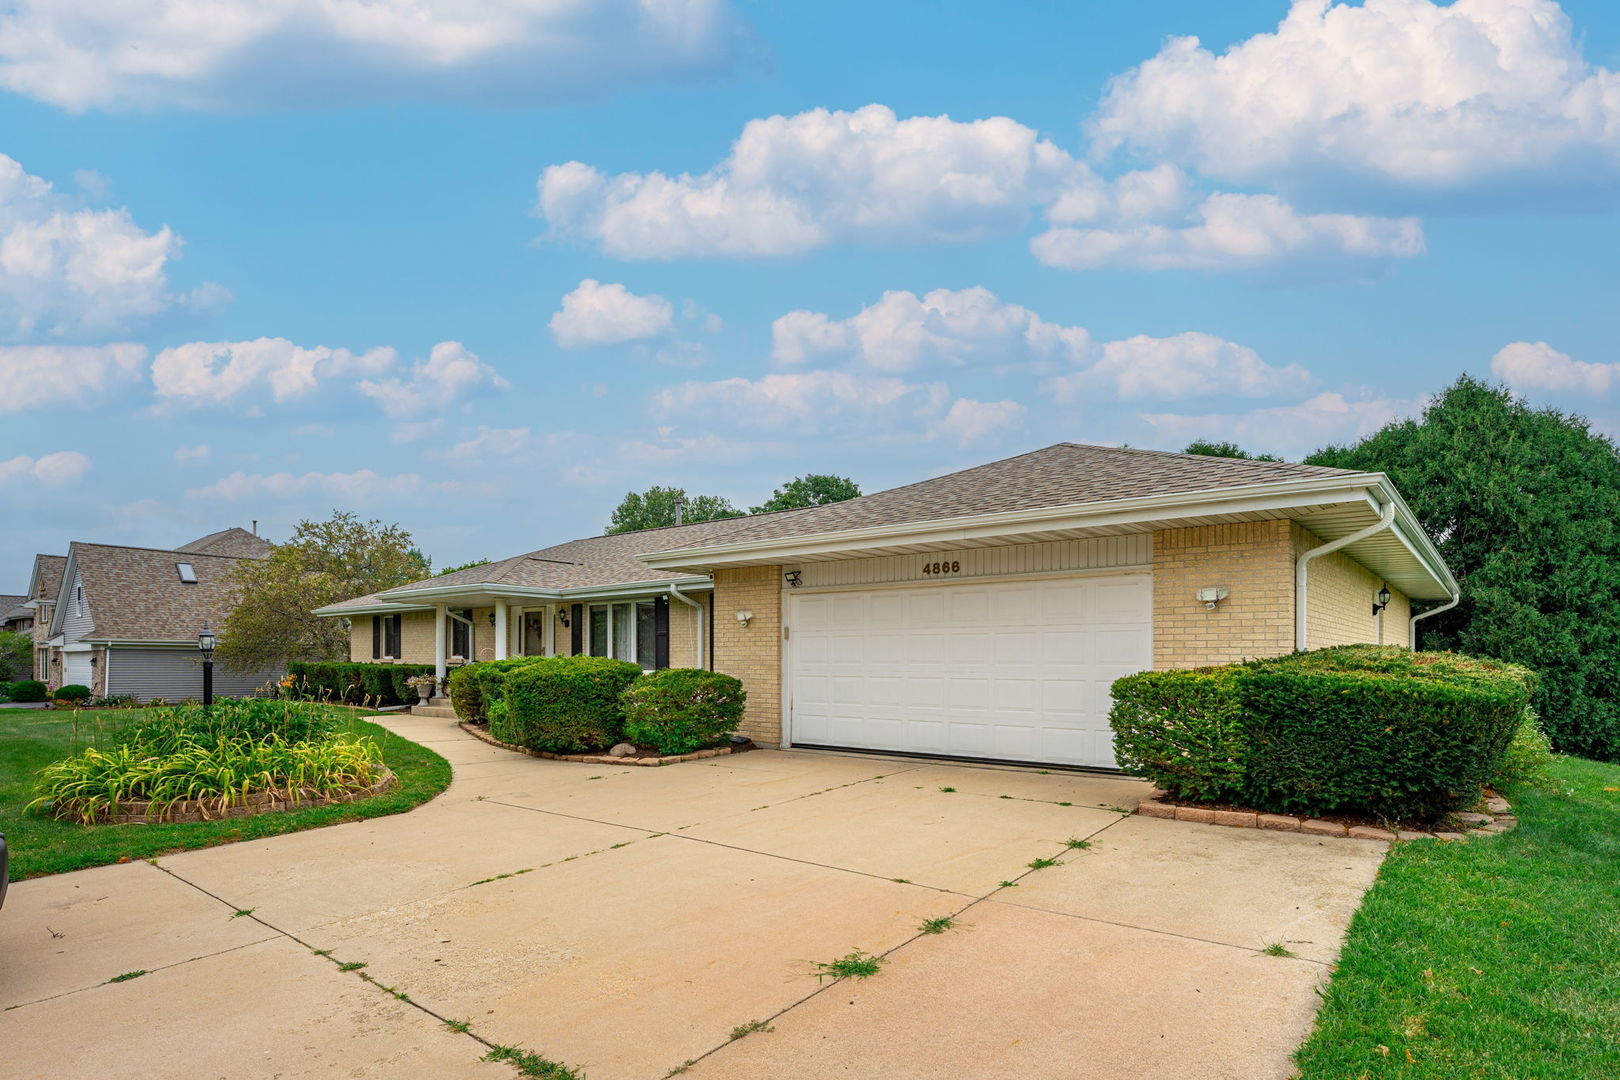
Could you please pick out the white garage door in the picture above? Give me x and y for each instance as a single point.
(1014, 671)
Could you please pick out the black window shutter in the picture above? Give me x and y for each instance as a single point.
(661, 633)
(376, 637)
(576, 629)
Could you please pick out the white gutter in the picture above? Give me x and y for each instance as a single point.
(675, 591)
(1456, 598)
(1302, 569)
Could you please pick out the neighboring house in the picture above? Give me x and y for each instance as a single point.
(984, 614)
(124, 620)
(43, 584)
(16, 617)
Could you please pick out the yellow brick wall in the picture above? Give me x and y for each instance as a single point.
(1339, 601)
(752, 653)
(1254, 562)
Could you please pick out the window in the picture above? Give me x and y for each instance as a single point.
(385, 637)
(78, 598)
(461, 633)
(628, 631)
(187, 574)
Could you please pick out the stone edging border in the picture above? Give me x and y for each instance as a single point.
(594, 759)
(259, 802)
(1499, 820)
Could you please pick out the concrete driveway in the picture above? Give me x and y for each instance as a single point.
(649, 912)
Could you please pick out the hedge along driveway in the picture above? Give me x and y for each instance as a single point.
(31, 740)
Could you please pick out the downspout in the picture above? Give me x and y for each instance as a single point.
(1302, 568)
(1456, 598)
(675, 591)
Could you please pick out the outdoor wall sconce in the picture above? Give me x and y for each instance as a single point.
(745, 617)
(1211, 597)
(492, 618)
(1381, 601)
(562, 615)
(792, 577)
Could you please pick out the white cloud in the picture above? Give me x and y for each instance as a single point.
(213, 372)
(1228, 232)
(795, 183)
(1290, 429)
(968, 421)
(361, 486)
(450, 371)
(598, 314)
(1186, 365)
(189, 455)
(792, 184)
(903, 331)
(1406, 93)
(233, 54)
(1526, 365)
(51, 470)
(34, 376)
(67, 271)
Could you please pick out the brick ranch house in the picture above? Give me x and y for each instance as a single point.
(982, 615)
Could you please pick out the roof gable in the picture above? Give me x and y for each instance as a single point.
(235, 542)
(137, 594)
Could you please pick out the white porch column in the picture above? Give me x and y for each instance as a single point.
(548, 633)
(440, 667)
(502, 636)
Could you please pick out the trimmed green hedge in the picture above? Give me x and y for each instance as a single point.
(72, 692)
(478, 690)
(354, 683)
(564, 704)
(28, 690)
(679, 710)
(1364, 729)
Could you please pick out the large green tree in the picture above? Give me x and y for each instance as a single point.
(816, 489)
(655, 508)
(1211, 448)
(324, 562)
(16, 656)
(1525, 505)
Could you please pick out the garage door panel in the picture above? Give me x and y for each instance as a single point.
(1014, 670)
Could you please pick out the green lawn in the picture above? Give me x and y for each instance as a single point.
(1498, 959)
(31, 739)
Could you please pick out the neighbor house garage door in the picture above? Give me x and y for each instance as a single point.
(77, 669)
(1011, 670)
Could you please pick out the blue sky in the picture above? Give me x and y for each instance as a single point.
(482, 275)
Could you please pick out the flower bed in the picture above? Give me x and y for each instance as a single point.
(478, 732)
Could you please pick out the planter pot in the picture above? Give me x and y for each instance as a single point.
(423, 693)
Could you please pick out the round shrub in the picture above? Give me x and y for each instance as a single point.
(565, 704)
(476, 689)
(72, 692)
(1362, 729)
(680, 710)
(28, 690)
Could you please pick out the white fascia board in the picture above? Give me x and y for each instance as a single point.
(1189, 504)
(368, 609)
(186, 643)
(59, 613)
(398, 598)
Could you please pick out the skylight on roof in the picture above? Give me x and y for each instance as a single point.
(187, 574)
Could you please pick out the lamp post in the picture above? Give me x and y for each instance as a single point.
(205, 642)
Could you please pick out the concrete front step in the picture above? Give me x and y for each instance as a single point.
(443, 712)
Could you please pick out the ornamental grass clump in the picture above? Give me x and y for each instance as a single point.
(216, 756)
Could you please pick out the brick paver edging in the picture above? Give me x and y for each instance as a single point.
(258, 802)
(1499, 820)
(594, 759)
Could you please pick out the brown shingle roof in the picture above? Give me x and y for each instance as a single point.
(1063, 475)
(236, 542)
(49, 571)
(136, 593)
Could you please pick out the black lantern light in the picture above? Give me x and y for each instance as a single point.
(1381, 601)
(205, 645)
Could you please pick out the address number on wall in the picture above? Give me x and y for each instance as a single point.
(932, 568)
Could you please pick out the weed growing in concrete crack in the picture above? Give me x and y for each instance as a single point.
(458, 1026)
(1008, 885)
(684, 1066)
(855, 965)
(1065, 804)
(529, 1063)
(243, 912)
(128, 975)
(937, 926)
(1277, 948)
(1120, 810)
(352, 965)
(749, 1028)
(1003, 796)
(1042, 864)
(1074, 843)
(502, 877)
(901, 880)
(321, 952)
(947, 790)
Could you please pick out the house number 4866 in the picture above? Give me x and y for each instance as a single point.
(942, 567)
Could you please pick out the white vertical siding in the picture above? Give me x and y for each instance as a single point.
(1104, 552)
